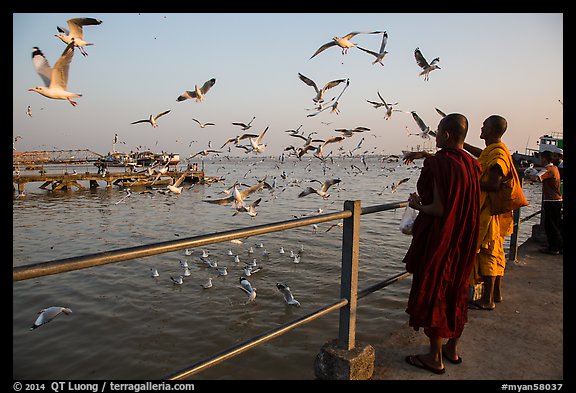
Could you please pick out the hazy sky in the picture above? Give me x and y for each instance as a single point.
(507, 64)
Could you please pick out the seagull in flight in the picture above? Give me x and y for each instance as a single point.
(203, 125)
(388, 106)
(323, 191)
(425, 130)
(204, 152)
(176, 188)
(334, 106)
(29, 111)
(48, 314)
(256, 144)
(236, 139)
(55, 78)
(244, 126)
(152, 119)
(248, 289)
(288, 297)
(342, 42)
(320, 92)
(76, 34)
(426, 68)
(381, 53)
(198, 93)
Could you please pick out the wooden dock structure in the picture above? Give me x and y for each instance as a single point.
(66, 181)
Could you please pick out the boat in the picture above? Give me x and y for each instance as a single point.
(429, 147)
(550, 141)
(117, 159)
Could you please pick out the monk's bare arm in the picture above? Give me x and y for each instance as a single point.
(436, 208)
(494, 182)
(475, 151)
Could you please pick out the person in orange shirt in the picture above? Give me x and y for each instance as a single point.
(551, 203)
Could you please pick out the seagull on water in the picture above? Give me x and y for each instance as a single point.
(223, 271)
(248, 289)
(236, 259)
(55, 78)
(282, 250)
(76, 34)
(381, 53)
(152, 119)
(154, 272)
(342, 42)
(177, 280)
(209, 262)
(188, 252)
(204, 254)
(320, 92)
(186, 272)
(48, 314)
(198, 92)
(426, 68)
(208, 283)
(184, 264)
(288, 297)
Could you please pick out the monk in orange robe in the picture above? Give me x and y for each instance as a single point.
(497, 164)
(441, 254)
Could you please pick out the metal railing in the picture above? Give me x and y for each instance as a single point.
(349, 293)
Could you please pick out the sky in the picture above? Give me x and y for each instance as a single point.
(510, 64)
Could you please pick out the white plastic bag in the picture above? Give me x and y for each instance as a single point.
(407, 221)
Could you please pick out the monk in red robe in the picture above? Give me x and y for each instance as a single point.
(441, 255)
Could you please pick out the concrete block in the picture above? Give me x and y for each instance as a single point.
(333, 363)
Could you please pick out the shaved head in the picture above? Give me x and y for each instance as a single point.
(456, 125)
(498, 124)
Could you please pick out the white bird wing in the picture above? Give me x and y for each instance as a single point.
(420, 123)
(324, 47)
(420, 59)
(384, 41)
(440, 112)
(180, 180)
(259, 140)
(41, 65)
(383, 101)
(207, 85)
(332, 84)
(161, 114)
(308, 81)
(141, 121)
(76, 24)
(329, 183)
(307, 191)
(368, 51)
(61, 68)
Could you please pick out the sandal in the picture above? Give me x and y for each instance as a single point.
(414, 360)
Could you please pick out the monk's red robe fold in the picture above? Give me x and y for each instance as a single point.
(442, 251)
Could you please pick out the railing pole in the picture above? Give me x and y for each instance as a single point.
(513, 253)
(349, 276)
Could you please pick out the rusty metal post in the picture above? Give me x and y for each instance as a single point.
(349, 276)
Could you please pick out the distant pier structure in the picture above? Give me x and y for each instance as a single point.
(67, 177)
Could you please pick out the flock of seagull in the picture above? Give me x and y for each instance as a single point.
(248, 270)
(56, 87)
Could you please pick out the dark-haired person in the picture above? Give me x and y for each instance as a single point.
(441, 254)
(551, 203)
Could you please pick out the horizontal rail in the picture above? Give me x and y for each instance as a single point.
(367, 291)
(256, 340)
(530, 216)
(40, 269)
(381, 208)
